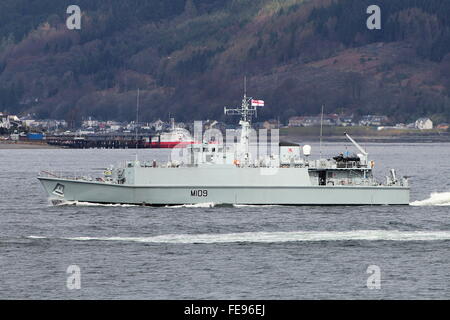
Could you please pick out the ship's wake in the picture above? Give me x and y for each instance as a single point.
(197, 205)
(63, 203)
(435, 199)
(219, 205)
(256, 205)
(276, 237)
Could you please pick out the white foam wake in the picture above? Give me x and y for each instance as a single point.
(435, 199)
(88, 204)
(273, 237)
(198, 205)
(255, 205)
(212, 205)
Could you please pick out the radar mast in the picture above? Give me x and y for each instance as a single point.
(247, 110)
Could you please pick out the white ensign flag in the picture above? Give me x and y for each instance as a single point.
(257, 103)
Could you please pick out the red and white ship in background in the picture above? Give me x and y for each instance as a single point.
(175, 138)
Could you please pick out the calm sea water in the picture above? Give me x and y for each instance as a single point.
(204, 252)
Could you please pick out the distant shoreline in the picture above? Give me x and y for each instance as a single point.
(372, 139)
(364, 134)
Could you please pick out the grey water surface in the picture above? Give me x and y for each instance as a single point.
(224, 252)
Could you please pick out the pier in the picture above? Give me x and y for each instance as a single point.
(101, 141)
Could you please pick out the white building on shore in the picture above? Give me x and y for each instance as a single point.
(424, 124)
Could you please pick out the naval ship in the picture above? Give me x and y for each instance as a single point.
(231, 173)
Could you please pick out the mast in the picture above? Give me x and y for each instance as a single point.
(321, 132)
(136, 124)
(245, 86)
(246, 111)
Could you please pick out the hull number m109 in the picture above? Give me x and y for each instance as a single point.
(199, 193)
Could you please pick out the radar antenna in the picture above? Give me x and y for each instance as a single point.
(247, 109)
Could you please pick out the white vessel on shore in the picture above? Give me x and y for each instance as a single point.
(232, 174)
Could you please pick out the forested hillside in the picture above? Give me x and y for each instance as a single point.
(189, 58)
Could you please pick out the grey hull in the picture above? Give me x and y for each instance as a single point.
(99, 192)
